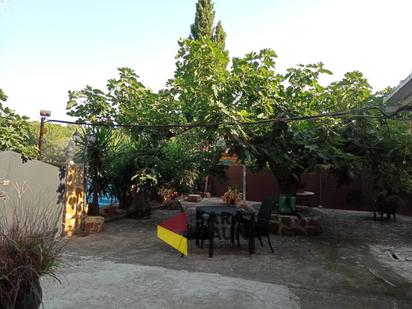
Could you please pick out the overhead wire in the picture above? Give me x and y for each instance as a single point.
(339, 114)
(355, 113)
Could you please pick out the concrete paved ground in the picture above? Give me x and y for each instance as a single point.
(104, 284)
(351, 265)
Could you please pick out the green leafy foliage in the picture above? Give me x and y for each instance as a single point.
(177, 170)
(205, 91)
(90, 104)
(219, 35)
(200, 84)
(99, 152)
(203, 25)
(14, 131)
(384, 149)
(353, 91)
(123, 167)
(287, 148)
(184, 165)
(132, 102)
(3, 96)
(55, 140)
(204, 19)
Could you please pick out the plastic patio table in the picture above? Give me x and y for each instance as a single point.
(223, 219)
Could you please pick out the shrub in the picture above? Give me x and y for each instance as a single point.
(29, 249)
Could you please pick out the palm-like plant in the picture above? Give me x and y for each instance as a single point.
(96, 156)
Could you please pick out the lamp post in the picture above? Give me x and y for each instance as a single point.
(44, 114)
(89, 139)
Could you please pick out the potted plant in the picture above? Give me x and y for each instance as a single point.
(29, 249)
(232, 195)
(168, 194)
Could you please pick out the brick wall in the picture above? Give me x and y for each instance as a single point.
(328, 193)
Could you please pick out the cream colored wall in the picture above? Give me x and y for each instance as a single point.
(32, 185)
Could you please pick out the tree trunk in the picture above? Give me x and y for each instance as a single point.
(94, 207)
(124, 202)
(288, 187)
(139, 206)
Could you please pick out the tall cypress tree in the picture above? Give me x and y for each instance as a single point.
(219, 36)
(3, 96)
(203, 25)
(204, 19)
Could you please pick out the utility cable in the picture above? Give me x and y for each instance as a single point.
(339, 114)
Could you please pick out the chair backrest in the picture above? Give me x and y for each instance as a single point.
(265, 210)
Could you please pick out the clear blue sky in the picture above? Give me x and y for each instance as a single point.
(50, 47)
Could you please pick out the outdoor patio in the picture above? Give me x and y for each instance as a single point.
(349, 265)
(205, 154)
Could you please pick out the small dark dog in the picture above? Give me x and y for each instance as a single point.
(386, 205)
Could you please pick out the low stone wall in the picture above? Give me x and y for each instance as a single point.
(172, 205)
(307, 224)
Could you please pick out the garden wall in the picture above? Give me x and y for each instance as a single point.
(328, 193)
(34, 186)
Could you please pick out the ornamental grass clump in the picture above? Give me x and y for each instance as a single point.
(29, 248)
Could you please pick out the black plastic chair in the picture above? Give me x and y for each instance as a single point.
(255, 226)
(203, 229)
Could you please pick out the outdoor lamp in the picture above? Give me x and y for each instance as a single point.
(91, 138)
(44, 114)
(76, 137)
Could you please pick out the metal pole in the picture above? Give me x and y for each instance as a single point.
(244, 182)
(44, 114)
(206, 185)
(85, 170)
(320, 189)
(85, 167)
(41, 133)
